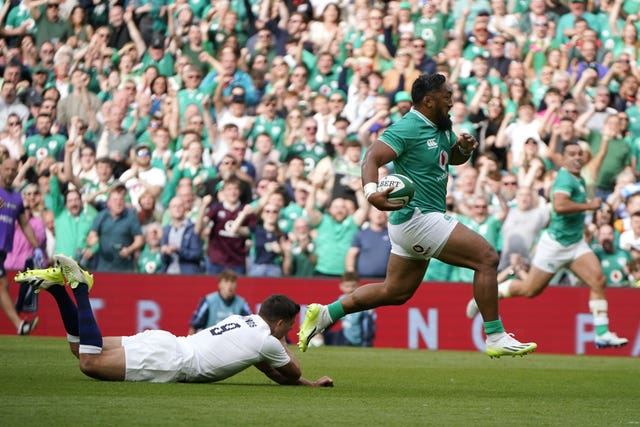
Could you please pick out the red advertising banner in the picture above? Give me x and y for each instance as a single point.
(558, 320)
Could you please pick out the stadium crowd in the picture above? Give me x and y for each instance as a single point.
(192, 136)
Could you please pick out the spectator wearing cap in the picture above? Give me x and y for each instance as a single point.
(402, 104)
(115, 234)
(565, 29)
(39, 77)
(80, 102)
(49, 26)
(142, 177)
(10, 104)
(233, 110)
(157, 56)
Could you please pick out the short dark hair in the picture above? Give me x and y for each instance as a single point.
(569, 144)
(228, 274)
(426, 84)
(279, 307)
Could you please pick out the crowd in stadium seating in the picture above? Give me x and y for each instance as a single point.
(192, 136)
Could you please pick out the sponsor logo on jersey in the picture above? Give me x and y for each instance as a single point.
(431, 143)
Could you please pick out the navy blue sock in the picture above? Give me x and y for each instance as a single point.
(68, 309)
(90, 335)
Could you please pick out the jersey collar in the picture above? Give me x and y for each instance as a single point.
(423, 117)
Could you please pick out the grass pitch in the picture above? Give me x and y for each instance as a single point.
(42, 385)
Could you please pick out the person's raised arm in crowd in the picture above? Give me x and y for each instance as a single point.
(134, 33)
(360, 215)
(201, 222)
(313, 213)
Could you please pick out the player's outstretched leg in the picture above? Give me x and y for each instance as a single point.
(52, 280)
(316, 320)
(604, 337)
(81, 282)
(41, 279)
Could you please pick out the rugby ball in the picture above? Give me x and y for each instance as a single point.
(404, 188)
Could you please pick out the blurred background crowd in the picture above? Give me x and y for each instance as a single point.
(196, 136)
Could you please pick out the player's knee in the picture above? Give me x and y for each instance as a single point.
(88, 366)
(598, 282)
(489, 259)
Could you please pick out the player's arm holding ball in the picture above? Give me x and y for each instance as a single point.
(377, 155)
(463, 148)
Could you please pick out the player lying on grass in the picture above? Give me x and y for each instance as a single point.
(212, 354)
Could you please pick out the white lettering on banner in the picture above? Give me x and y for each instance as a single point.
(477, 333)
(149, 313)
(583, 336)
(419, 328)
(635, 351)
(97, 304)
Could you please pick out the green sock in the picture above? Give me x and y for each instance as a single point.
(336, 311)
(493, 327)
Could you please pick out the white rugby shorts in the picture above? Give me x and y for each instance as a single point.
(153, 356)
(423, 236)
(551, 256)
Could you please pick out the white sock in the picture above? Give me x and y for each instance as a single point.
(503, 289)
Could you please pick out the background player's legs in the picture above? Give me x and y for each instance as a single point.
(588, 269)
(7, 303)
(532, 286)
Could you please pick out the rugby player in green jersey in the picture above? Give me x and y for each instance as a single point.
(422, 145)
